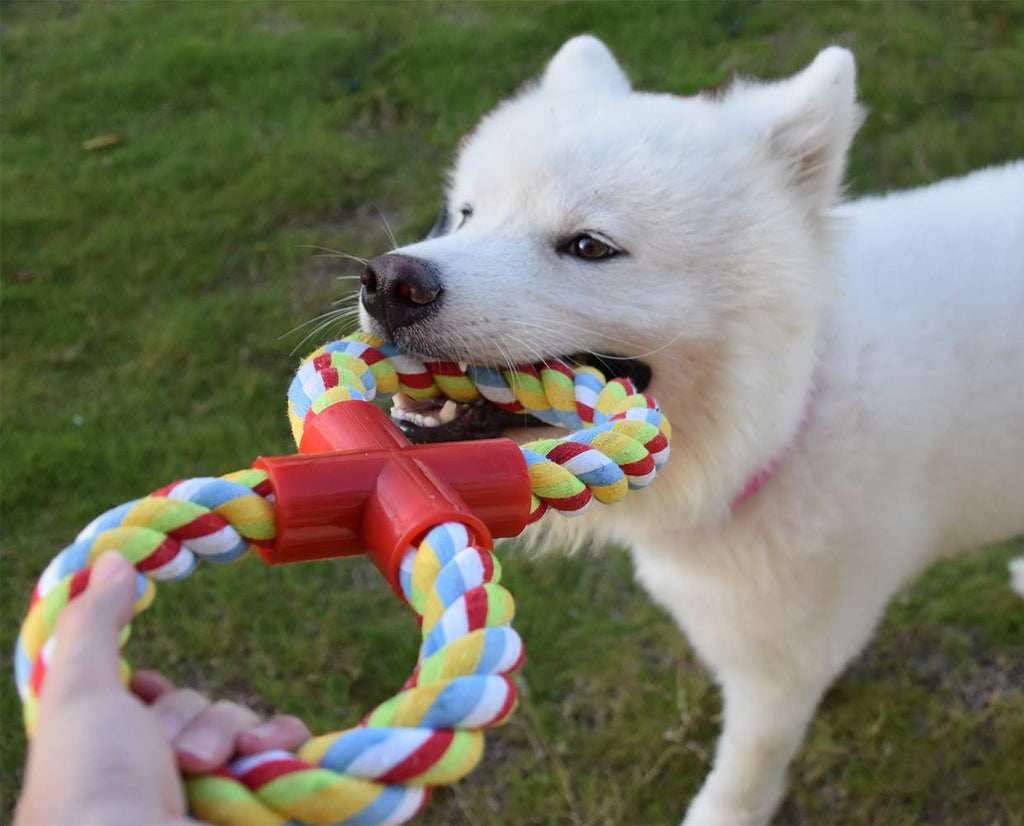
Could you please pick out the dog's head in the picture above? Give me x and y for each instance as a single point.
(681, 240)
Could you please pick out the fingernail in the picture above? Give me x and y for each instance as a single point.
(170, 723)
(203, 744)
(262, 731)
(111, 567)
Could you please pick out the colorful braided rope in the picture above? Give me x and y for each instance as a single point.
(162, 535)
(431, 732)
(622, 442)
(427, 734)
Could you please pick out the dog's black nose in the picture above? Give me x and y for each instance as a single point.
(399, 289)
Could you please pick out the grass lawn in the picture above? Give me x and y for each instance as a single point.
(148, 291)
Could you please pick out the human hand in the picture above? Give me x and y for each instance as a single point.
(99, 754)
(205, 734)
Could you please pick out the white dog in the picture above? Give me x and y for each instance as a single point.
(845, 382)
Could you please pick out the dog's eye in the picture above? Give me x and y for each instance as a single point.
(466, 211)
(590, 248)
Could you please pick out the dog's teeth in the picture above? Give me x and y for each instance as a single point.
(448, 411)
(402, 413)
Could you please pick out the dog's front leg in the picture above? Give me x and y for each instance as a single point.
(764, 725)
(773, 656)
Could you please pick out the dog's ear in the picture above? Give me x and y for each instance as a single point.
(585, 64)
(808, 121)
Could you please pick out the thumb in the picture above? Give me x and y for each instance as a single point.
(86, 657)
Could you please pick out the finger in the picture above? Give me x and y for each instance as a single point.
(87, 635)
(177, 709)
(281, 732)
(149, 686)
(208, 742)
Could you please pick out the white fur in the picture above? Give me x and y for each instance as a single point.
(895, 324)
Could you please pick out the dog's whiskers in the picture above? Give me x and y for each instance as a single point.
(327, 320)
(601, 354)
(327, 252)
(306, 323)
(557, 331)
(465, 349)
(387, 228)
(537, 355)
(646, 354)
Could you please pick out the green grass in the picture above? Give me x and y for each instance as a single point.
(145, 293)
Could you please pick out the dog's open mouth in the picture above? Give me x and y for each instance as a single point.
(445, 420)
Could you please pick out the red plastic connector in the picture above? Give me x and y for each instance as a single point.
(359, 486)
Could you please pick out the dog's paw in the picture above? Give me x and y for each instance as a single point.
(706, 811)
(1017, 575)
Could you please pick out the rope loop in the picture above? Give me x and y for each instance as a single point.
(622, 438)
(162, 535)
(379, 772)
(429, 733)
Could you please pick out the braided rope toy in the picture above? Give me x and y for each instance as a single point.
(622, 441)
(430, 733)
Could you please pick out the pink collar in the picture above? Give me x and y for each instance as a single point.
(759, 479)
(756, 482)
